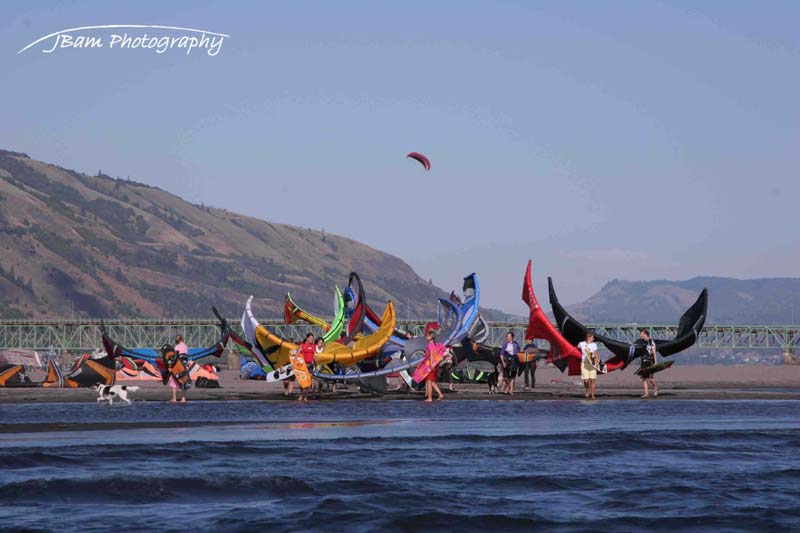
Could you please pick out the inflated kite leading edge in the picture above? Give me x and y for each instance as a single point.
(276, 350)
(563, 352)
(292, 312)
(689, 328)
(85, 372)
(114, 349)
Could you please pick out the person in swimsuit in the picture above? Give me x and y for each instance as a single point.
(508, 359)
(430, 380)
(589, 362)
(649, 358)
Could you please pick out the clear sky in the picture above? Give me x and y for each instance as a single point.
(631, 140)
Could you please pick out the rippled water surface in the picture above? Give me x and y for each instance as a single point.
(403, 466)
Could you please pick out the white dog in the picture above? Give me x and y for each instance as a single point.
(108, 392)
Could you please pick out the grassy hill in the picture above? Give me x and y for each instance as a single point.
(102, 247)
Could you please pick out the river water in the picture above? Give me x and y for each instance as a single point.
(403, 466)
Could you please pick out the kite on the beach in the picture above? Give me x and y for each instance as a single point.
(292, 312)
(12, 375)
(401, 353)
(471, 324)
(275, 351)
(87, 371)
(563, 353)
(371, 321)
(423, 160)
(355, 308)
(153, 356)
(401, 361)
(689, 327)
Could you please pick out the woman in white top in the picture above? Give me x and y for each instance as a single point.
(508, 359)
(589, 362)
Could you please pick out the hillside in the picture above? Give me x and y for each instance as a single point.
(102, 247)
(95, 246)
(768, 301)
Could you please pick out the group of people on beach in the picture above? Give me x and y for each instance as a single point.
(512, 364)
(591, 364)
(308, 350)
(514, 361)
(510, 369)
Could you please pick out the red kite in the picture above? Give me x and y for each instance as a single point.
(424, 161)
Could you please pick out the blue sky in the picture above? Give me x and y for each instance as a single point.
(632, 140)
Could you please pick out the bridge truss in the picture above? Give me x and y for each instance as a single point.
(85, 334)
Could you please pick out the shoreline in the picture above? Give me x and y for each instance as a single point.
(677, 383)
(154, 396)
(463, 392)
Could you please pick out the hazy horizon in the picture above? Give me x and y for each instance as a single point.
(623, 140)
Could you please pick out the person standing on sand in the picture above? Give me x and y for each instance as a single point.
(182, 351)
(319, 347)
(529, 368)
(508, 358)
(299, 365)
(589, 362)
(430, 380)
(309, 351)
(649, 358)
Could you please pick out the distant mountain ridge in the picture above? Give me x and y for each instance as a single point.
(765, 301)
(95, 246)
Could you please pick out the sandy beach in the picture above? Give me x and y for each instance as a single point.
(677, 383)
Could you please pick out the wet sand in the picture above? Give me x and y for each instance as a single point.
(676, 383)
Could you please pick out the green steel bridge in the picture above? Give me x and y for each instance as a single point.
(84, 334)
